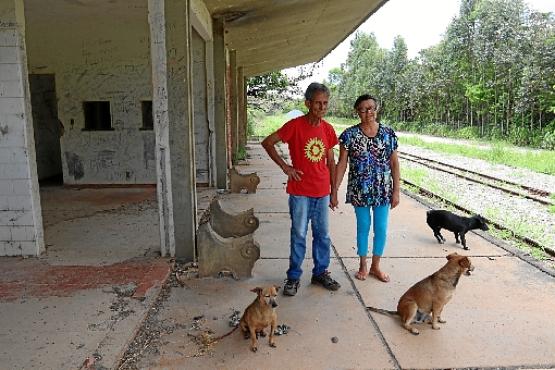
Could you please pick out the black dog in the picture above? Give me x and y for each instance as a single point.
(439, 219)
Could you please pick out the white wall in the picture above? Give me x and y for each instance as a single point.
(20, 212)
(98, 51)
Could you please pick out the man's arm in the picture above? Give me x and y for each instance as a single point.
(330, 159)
(269, 144)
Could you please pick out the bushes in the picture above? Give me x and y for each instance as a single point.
(548, 139)
(520, 136)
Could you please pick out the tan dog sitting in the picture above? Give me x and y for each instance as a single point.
(259, 315)
(430, 295)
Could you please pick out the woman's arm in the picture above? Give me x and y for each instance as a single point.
(396, 174)
(340, 169)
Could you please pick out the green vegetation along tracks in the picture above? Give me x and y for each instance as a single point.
(537, 195)
(522, 238)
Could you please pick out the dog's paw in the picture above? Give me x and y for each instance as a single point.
(441, 321)
(273, 344)
(414, 331)
(436, 327)
(254, 349)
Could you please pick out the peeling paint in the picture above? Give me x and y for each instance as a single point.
(74, 165)
(148, 150)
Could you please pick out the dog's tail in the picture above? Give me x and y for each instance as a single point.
(382, 311)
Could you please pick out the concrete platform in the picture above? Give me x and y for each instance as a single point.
(314, 315)
(67, 306)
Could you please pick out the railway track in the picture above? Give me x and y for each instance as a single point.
(430, 194)
(537, 195)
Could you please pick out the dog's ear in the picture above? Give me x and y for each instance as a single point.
(257, 290)
(277, 288)
(464, 262)
(451, 256)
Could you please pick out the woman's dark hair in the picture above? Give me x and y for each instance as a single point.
(364, 97)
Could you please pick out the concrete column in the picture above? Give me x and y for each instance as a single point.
(233, 103)
(241, 108)
(170, 35)
(21, 231)
(219, 71)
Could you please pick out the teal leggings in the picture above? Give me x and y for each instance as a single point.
(364, 220)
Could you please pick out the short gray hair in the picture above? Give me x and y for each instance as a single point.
(315, 87)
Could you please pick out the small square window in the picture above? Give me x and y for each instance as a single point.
(97, 115)
(148, 120)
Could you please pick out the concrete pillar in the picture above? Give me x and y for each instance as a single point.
(233, 103)
(241, 108)
(170, 35)
(21, 231)
(219, 72)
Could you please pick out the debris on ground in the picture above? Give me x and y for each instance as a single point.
(88, 363)
(227, 273)
(126, 290)
(234, 318)
(186, 272)
(282, 329)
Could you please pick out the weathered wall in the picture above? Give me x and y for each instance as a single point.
(200, 113)
(203, 77)
(98, 53)
(20, 212)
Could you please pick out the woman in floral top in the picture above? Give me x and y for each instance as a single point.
(370, 148)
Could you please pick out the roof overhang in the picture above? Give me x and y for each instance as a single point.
(277, 34)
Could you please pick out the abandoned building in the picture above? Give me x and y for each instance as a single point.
(140, 92)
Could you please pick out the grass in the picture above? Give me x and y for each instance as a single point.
(517, 223)
(270, 123)
(537, 161)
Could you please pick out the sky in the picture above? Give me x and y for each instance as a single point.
(420, 23)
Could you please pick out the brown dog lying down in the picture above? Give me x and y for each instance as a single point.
(259, 315)
(430, 295)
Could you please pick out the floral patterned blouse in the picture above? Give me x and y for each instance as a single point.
(370, 183)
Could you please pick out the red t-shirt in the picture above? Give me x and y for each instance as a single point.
(308, 146)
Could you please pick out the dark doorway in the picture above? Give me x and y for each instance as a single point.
(47, 128)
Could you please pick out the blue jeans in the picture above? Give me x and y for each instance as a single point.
(364, 220)
(302, 210)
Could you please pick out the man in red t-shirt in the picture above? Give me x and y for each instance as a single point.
(310, 178)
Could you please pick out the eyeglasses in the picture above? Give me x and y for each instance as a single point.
(369, 110)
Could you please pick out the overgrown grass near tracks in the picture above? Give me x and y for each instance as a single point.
(537, 161)
(518, 223)
(534, 160)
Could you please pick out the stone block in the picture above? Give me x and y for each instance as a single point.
(238, 181)
(232, 225)
(218, 255)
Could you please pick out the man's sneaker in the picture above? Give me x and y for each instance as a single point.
(290, 287)
(326, 281)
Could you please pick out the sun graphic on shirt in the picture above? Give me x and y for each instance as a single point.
(314, 150)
